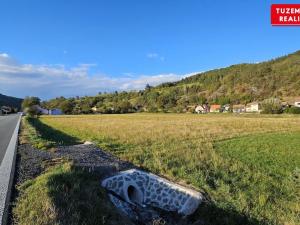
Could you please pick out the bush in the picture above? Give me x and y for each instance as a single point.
(152, 109)
(32, 111)
(293, 110)
(271, 106)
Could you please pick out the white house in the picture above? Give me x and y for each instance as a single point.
(252, 107)
(202, 109)
(94, 109)
(297, 104)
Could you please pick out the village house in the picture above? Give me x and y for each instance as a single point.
(238, 109)
(215, 108)
(42, 110)
(288, 102)
(55, 112)
(94, 109)
(201, 109)
(5, 110)
(253, 107)
(297, 104)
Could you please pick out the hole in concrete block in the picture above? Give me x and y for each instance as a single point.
(134, 195)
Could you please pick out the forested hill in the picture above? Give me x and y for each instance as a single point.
(240, 83)
(10, 101)
(246, 82)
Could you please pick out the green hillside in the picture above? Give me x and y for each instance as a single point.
(246, 82)
(240, 83)
(10, 101)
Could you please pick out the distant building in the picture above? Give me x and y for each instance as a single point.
(6, 109)
(297, 104)
(42, 110)
(215, 108)
(288, 102)
(201, 109)
(253, 107)
(238, 108)
(55, 112)
(94, 109)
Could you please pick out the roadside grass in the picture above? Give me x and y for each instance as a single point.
(65, 195)
(243, 185)
(44, 137)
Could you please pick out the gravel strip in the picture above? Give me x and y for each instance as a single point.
(92, 158)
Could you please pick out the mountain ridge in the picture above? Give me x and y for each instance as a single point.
(10, 101)
(236, 84)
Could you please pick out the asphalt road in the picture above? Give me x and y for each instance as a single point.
(7, 127)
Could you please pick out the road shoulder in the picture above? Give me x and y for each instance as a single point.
(7, 169)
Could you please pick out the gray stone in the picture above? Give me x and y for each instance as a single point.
(114, 184)
(139, 183)
(153, 196)
(120, 184)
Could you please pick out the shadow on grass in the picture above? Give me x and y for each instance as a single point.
(79, 199)
(211, 214)
(52, 135)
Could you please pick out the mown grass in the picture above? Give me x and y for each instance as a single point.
(249, 181)
(65, 195)
(276, 154)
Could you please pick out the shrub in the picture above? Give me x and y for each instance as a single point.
(32, 111)
(293, 110)
(271, 106)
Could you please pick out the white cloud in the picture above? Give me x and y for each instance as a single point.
(4, 55)
(155, 56)
(48, 81)
(152, 55)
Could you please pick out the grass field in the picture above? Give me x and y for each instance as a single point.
(249, 165)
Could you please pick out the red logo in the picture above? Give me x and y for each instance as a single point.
(285, 14)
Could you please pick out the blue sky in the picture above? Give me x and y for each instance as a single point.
(50, 48)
